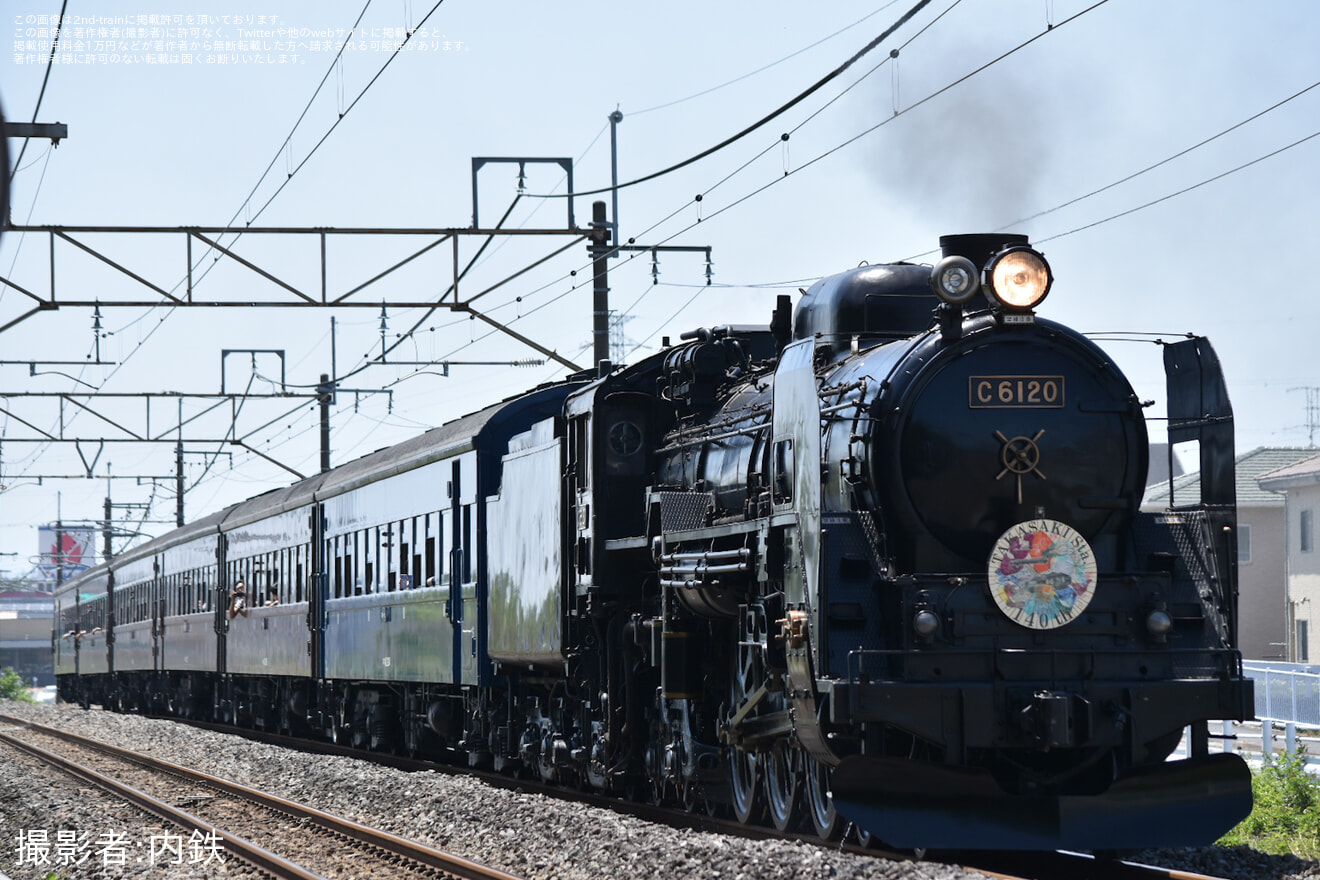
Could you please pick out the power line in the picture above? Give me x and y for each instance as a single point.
(288, 139)
(393, 55)
(1164, 161)
(822, 40)
(1184, 190)
(292, 172)
(897, 113)
(802, 96)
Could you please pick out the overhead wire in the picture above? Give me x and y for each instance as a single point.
(764, 120)
(306, 158)
(764, 68)
(1165, 161)
(292, 172)
(746, 164)
(897, 114)
(334, 125)
(1183, 191)
(601, 132)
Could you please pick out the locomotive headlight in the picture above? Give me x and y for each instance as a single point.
(954, 280)
(925, 623)
(1019, 278)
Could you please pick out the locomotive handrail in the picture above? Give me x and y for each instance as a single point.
(713, 438)
(702, 565)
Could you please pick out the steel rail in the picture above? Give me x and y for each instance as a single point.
(243, 849)
(1003, 865)
(401, 846)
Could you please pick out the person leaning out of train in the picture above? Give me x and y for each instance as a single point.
(238, 601)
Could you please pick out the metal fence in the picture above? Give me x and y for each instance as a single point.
(1288, 693)
(1287, 697)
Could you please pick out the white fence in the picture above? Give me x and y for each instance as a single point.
(1287, 712)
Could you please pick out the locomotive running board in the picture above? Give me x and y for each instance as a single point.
(910, 805)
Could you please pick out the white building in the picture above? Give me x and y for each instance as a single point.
(1300, 485)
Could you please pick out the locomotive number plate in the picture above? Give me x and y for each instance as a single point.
(1015, 392)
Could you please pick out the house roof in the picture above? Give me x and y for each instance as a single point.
(1249, 467)
(1299, 473)
(1158, 472)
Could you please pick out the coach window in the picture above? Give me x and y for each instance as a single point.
(406, 540)
(355, 564)
(441, 559)
(336, 552)
(467, 543)
(370, 548)
(377, 561)
(432, 524)
(350, 565)
(417, 568)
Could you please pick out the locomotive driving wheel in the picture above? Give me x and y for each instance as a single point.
(782, 774)
(744, 766)
(820, 804)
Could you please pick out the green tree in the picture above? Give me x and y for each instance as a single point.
(13, 688)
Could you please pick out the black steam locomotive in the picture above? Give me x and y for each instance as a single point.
(880, 562)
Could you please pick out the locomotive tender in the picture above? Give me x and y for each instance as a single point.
(879, 562)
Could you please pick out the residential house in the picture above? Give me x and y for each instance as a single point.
(1262, 573)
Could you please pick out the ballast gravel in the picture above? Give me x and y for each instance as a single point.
(524, 834)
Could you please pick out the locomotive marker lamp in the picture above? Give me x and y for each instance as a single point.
(1018, 278)
(954, 280)
(1158, 624)
(925, 623)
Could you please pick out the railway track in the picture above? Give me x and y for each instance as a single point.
(1008, 865)
(282, 838)
(1032, 866)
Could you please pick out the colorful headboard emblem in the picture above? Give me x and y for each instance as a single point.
(1042, 573)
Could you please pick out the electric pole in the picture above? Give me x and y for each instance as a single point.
(600, 251)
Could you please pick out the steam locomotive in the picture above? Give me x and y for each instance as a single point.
(881, 562)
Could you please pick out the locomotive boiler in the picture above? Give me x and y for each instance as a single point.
(881, 562)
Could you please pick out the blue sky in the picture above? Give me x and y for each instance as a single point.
(993, 112)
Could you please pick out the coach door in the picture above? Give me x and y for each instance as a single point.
(458, 565)
(158, 592)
